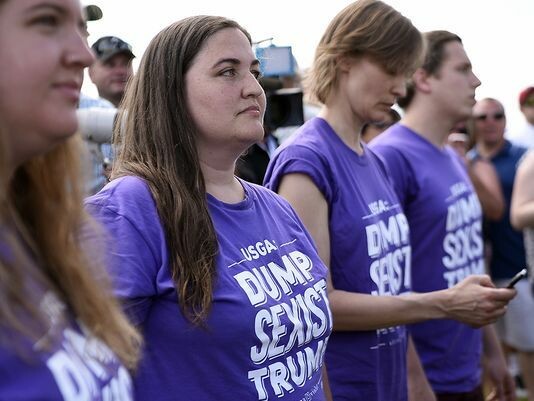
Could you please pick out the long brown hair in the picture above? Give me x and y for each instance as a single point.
(364, 28)
(43, 206)
(41, 224)
(157, 142)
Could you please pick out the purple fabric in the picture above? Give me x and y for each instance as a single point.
(266, 334)
(369, 251)
(445, 220)
(76, 367)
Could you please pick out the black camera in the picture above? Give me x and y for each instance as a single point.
(284, 106)
(284, 109)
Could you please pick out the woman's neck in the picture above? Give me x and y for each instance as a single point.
(347, 126)
(221, 182)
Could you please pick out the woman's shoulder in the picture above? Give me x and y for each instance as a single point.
(127, 186)
(260, 192)
(310, 137)
(125, 196)
(265, 195)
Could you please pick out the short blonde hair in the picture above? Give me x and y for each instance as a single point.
(365, 28)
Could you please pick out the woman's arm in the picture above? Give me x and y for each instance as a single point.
(419, 388)
(473, 301)
(487, 187)
(522, 207)
(495, 368)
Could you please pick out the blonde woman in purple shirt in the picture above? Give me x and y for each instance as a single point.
(342, 191)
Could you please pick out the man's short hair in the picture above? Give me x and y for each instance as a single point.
(369, 28)
(435, 42)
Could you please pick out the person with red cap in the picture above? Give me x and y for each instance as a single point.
(526, 104)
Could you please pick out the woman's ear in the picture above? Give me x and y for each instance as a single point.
(344, 63)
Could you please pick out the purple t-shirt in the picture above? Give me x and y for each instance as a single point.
(66, 363)
(445, 220)
(369, 252)
(269, 324)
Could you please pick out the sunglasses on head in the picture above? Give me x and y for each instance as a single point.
(483, 117)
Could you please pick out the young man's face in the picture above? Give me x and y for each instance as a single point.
(453, 85)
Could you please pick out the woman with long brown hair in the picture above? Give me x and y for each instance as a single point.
(62, 337)
(218, 273)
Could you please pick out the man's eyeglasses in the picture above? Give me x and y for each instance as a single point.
(529, 102)
(484, 117)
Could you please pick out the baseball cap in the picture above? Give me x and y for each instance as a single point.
(525, 94)
(108, 46)
(92, 12)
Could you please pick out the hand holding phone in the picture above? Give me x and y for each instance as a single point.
(516, 278)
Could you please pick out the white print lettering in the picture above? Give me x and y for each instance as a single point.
(291, 333)
(294, 371)
(463, 211)
(273, 280)
(253, 252)
(455, 276)
(299, 312)
(79, 369)
(387, 272)
(378, 207)
(388, 243)
(458, 189)
(390, 336)
(83, 367)
(463, 245)
(309, 395)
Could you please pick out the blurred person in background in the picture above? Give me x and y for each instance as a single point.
(62, 335)
(507, 244)
(458, 139)
(96, 117)
(526, 104)
(481, 172)
(112, 69)
(371, 130)
(522, 208)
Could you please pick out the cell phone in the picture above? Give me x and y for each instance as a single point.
(516, 278)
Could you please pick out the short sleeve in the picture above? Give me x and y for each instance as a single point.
(135, 248)
(297, 159)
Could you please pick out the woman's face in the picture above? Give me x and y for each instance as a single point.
(223, 95)
(368, 90)
(43, 51)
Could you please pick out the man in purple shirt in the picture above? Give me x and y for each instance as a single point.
(444, 216)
